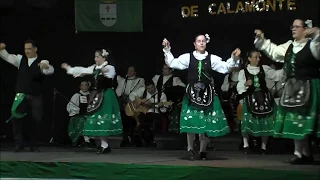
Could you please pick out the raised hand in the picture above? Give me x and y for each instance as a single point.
(43, 65)
(2, 46)
(64, 66)
(309, 32)
(165, 43)
(236, 54)
(259, 33)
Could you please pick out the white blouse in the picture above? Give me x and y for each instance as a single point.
(77, 71)
(182, 62)
(271, 74)
(277, 52)
(16, 60)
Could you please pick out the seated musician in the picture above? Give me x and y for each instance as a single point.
(125, 87)
(174, 89)
(151, 102)
(77, 108)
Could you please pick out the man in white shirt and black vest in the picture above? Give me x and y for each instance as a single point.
(149, 100)
(29, 87)
(125, 87)
(174, 89)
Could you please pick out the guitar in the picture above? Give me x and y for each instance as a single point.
(142, 106)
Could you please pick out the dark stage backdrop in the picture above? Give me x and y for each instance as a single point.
(51, 24)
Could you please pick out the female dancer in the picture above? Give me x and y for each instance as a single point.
(299, 111)
(103, 113)
(201, 110)
(258, 106)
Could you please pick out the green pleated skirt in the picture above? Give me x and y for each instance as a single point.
(254, 126)
(210, 120)
(296, 123)
(75, 128)
(106, 120)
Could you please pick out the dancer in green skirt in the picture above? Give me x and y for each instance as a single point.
(201, 110)
(258, 109)
(103, 113)
(298, 115)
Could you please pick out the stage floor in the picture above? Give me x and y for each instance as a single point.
(228, 159)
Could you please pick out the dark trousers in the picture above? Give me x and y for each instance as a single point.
(128, 125)
(150, 124)
(25, 129)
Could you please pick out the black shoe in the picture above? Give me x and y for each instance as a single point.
(296, 160)
(19, 148)
(203, 156)
(89, 145)
(263, 152)
(34, 149)
(246, 150)
(191, 155)
(104, 150)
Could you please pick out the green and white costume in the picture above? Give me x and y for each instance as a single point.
(103, 117)
(301, 62)
(206, 120)
(259, 124)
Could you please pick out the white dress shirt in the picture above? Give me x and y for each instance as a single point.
(16, 60)
(130, 84)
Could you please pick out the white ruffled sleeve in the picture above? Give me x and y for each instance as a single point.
(181, 63)
(241, 88)
(223, 66)
(78, 70)
(272, 74)
(273, 51)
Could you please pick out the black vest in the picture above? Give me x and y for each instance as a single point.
(305, 66)
(83, 106)
(193, 69)
(262, 81)
(30, 79)
(101, 82)
(161, 86)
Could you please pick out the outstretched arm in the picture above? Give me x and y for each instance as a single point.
(10, 58)
(181, 63)
(273, 51)
(225, 66)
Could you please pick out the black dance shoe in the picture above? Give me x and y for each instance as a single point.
(191, 155)
(203, 156)
(104, 150)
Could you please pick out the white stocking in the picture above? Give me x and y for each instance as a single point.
(190, 140)
(264, 140)
(203, 142)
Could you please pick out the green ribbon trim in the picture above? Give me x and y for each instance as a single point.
(17, 101)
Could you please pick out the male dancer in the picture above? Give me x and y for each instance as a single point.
(31, 72)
